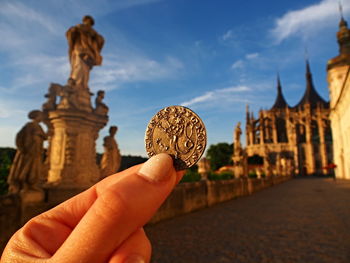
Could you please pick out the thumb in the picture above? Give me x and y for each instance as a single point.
(118, 211)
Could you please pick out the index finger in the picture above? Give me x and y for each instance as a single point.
(118, 210)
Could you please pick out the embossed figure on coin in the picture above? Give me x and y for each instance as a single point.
(179, 132)
(174, 128)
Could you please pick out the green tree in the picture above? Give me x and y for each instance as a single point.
(6, 158)
(220, 155)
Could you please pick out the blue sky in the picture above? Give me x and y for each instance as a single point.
(211, 56)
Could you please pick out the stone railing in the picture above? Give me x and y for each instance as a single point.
(188, 197)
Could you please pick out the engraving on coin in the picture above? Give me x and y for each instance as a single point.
(178, 131)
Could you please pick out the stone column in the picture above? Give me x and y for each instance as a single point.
(323, 150)
(267, 163)
(274, 130)
(309, 156)
(262, 135)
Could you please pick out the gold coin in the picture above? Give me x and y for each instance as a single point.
(179, 132)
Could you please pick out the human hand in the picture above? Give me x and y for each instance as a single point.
(102, 224)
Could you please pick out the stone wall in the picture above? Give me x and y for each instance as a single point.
(188, 197)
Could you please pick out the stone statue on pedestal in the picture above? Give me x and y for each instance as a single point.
(27, 166)
(68, 95)
(101, 107)
(51, 96)
(85, 45)
(111, 158)
(204, 168)
(237, 139)
(73, 122)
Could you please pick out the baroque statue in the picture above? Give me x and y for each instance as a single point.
(27, 165)
(68, 95)
(85, 45)
(111, 158)
(237, 138)
(100, 107)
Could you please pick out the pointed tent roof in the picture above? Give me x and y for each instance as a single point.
(280, 102)
(310, 96)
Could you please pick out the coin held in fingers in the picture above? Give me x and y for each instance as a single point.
(179, 132)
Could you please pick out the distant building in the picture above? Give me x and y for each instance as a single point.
(289, 139)
(339, 88)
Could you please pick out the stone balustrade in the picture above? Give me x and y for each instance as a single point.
(185, 198)
(188, 197)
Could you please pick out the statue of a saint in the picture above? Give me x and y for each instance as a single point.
(101, 108)
(111, 158)
(68, 95)
(204, 168)
(85, 45)
(27, 165)
(51, 96)
(237, 137)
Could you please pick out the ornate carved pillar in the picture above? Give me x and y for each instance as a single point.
(72, 148)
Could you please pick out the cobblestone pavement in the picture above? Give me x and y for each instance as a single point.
(302, 220)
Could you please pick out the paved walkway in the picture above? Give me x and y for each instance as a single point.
(302, 220)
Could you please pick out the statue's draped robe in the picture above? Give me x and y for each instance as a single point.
(27, 165)
(111, 158)
(85, 45)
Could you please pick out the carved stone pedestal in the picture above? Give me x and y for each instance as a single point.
(72, 151)
(238, 166)
(32, 196)
(32, 203)
(56, 195)
(204, 168)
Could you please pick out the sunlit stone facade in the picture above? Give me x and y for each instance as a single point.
(339, 90)
(292, 140)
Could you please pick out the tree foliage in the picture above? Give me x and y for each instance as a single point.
(6, 158)
(220, 155)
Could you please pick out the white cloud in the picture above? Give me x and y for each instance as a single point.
(238, 64)
(131, 3)
(308, 20)
(15, 11)
(11, 110)
(203, 98)
(7, 138)
(30, 51)
(41, 69)
(252, 56)
(219, 96)
(228, 35)
(132, 68)
(234, 89)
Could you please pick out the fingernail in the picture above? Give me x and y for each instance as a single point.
(157, 168)
(134, 259)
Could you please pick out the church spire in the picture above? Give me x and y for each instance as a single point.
(343, 34)
(280, 102)
(310, 96)
(343, 37)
